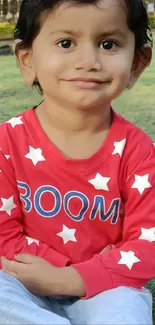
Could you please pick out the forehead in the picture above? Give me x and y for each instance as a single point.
(103, 14)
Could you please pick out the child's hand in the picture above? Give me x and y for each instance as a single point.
(36, 274)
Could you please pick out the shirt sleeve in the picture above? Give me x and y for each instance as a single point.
(12, 238)
(132, 262)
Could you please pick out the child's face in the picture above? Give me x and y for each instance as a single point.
(99, 45)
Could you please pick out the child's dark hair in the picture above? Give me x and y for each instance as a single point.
(32, 15)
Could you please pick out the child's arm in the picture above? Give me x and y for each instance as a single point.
(131, 264)
(12, 238)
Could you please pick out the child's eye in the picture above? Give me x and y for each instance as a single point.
(108, 45)
(65, 43)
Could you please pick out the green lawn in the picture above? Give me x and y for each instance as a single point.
(137, 105)
(15, 96)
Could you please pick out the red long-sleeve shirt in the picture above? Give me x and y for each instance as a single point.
(67, 211)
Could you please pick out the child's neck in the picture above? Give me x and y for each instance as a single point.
(76, 133)
(74, 120)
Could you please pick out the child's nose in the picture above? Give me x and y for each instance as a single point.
(88, 59)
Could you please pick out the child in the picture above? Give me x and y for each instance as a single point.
(75, 176)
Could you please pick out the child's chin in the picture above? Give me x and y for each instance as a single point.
(88, 104)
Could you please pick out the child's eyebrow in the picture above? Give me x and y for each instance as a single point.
(66, 31)
(114, 32)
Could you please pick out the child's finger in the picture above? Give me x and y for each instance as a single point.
(107, 249)
(11, 273)
(26, 258)
(9, 266)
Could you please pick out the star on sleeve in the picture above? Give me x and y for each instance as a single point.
(100, 182)
(119, 147)
(8, 205)
(7, 156)
(15, 121)
(128, 259)
(31, 241)
(35, 155)
(148, 234)
(141, 183)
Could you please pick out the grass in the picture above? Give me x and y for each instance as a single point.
(15, 96)
(137, 105)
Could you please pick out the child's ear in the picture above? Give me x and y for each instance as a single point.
(25, 61)
(141, 61)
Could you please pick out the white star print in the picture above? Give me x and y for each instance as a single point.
(7, 156)
(35, 155)
(8, 205)
(100, 182)
(148, 234)
(141, 183)
(67, 234)
(32, 240)
(128, 259)
(15, 121)
(119, 147)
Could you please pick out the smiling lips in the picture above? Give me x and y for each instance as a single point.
(86, 82)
